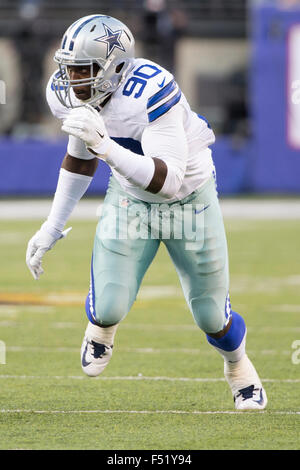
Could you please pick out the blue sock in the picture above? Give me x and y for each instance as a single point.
(232, 344)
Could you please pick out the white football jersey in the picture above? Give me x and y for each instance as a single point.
(148, 94)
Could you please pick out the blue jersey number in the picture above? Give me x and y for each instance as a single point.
(139, 80)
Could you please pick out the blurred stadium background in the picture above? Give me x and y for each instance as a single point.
(236, 61)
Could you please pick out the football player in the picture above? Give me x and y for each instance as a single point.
(131, 113)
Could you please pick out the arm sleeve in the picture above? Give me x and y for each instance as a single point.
(70, 189)
(164, 139)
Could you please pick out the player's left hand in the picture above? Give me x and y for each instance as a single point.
(87, 124)
(38, 245)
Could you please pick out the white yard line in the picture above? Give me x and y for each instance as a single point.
(148, 326)
(284, 308)
(215, 412)
(90, 209)
(12, 311)
(59, 349)
(136, 378)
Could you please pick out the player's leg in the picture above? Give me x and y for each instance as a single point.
(118, 266)
(202, 266)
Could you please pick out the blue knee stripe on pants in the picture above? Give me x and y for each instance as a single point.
(90, 300)
(234, 336)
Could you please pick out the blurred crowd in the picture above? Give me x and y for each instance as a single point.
(158, 25)
(31, 48)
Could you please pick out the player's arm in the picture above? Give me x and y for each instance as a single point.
(159, 176)
(75, 176)
(165, 142)
(162, 167)
(80, 166)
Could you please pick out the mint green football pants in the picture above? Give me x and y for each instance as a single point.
(127, 238)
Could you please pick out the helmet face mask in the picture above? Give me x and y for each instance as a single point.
(94, 40)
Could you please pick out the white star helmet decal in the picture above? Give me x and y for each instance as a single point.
(111, 39)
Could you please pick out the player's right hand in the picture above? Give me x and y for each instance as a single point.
(38, 245)
(86, 124)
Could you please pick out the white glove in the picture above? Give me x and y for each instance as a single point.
(37, 246)
(87, 124)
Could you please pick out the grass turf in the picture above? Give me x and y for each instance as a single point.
(158, 341)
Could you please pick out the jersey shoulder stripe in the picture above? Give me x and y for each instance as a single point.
(154, 114)
(163, 93)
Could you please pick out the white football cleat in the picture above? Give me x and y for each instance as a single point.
(247, 390)
(253, 397)
(94, 355)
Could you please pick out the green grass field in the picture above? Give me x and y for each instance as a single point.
(164, 387)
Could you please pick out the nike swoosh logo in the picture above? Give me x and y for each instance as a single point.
(84, 362)
(261, 399)
(102, 136)
(199, 211)
(162, 83)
